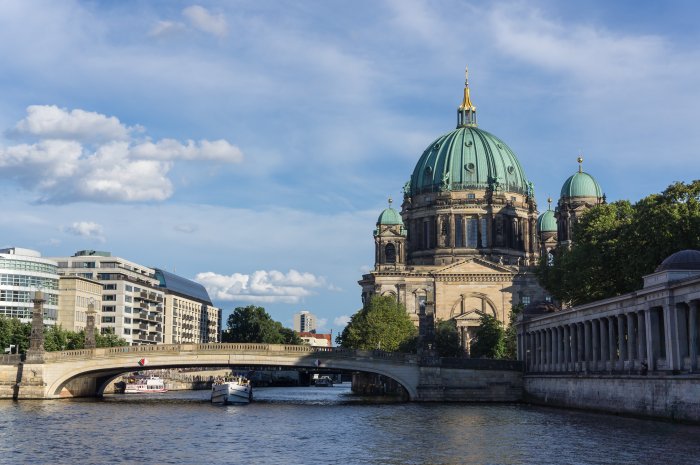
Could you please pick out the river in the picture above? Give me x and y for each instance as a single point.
(307, 425)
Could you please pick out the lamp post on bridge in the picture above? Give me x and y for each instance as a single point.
(90, 326)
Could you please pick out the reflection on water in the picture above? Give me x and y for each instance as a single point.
(310, 425)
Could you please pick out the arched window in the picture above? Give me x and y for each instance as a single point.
(390, 253)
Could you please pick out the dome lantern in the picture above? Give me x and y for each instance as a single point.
(466, 113)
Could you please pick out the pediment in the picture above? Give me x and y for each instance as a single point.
(476, 265)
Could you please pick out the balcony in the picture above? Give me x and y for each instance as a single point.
(143, 326)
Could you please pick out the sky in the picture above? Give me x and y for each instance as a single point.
(251, 146)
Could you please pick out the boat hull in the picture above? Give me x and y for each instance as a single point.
(231, 393)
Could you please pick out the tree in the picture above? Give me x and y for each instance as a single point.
(107, 339)
(254, 324)
(510, 337)
(14, 332)
(489, 338)
(382, 324)
(615, 245)
(447, 339)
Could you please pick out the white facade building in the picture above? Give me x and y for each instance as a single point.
(304, 322)
(22, 272)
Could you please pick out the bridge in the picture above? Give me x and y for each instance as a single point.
(87, 372)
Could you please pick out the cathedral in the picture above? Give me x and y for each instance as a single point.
(468, 235)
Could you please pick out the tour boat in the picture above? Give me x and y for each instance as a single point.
(149, 385)
(324, 381)
(236, 390)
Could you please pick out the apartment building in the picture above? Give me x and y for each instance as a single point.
(132, 300)
(189, 315)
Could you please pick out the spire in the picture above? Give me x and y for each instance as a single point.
(390, 201)
(549, 203)
(580, 162)
(466, 113)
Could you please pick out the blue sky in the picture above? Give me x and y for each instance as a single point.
(252, 145)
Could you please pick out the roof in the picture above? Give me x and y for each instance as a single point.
(182, 286)
(327, 337)
(468, 158)
(389, 216)
(684, 260)
(546, 222)
(581, 184)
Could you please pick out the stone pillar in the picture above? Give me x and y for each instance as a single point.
(621, 342)
(631, 339)
(547, 346)
(612, 343)
(560, 348)
(670, 326)
(595, 344)
(641, 338)
(90, 327)
(604, 346)
(587, 343)
(682, 340)
(693, 334)
(567, 347)
(580, 346)
(555, 349)
(652, 326)
(36, 351)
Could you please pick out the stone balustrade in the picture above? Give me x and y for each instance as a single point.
(655, 329)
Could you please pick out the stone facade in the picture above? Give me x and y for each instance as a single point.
(75, 294)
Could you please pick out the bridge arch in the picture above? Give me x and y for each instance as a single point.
(85, 372)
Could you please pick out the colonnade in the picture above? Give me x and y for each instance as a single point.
(635, 340)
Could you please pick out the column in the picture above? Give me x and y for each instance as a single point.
(631, 339)
(580, 346)
(652, 326)
(641, 338)
(682, 340)
(588, 360)
(537, 351)
(612, 342)
(621, 342)
(567, 347)
(693, 334)
(604, 347)
(546, 345)
(556, 335)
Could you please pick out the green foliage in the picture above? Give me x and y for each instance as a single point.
(108, 339)
(382, 324)
(14, 332)
(510, 337)
(489, 338)
(447, 339)
(254, 324)
(615, 245)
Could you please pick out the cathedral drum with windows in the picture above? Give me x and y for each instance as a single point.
(465, 242)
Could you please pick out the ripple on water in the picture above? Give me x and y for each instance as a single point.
(313, 425)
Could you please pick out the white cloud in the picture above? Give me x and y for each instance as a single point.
(187, 228)
(205, 21)
(64, 167)
(170, 149)
(165, 28)
(86, 229)
(342, 320)
(260, 286)
(51, 122)
(321, 325)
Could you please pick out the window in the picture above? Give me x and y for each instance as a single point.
(459, 231)
(525, 300)
(128, 298)
(472, 233)
(471, 196)
(108, 308)
(127, 320)
(390, 253)
(107, 319)
(127, 331)
(110, 287)
(421, 304)
(128, 288)
(127, 309)
(109, 297)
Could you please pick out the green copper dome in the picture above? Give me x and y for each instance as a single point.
(581, 185)
(389, 217)
(468, 158)
(546, 222)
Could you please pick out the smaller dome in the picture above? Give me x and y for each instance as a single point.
(684, 260)
(581, 185)
(546, 222)
(389, 217)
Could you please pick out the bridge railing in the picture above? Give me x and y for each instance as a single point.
(334, 352)
(7, 359)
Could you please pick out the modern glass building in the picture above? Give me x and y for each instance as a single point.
(22, 272)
